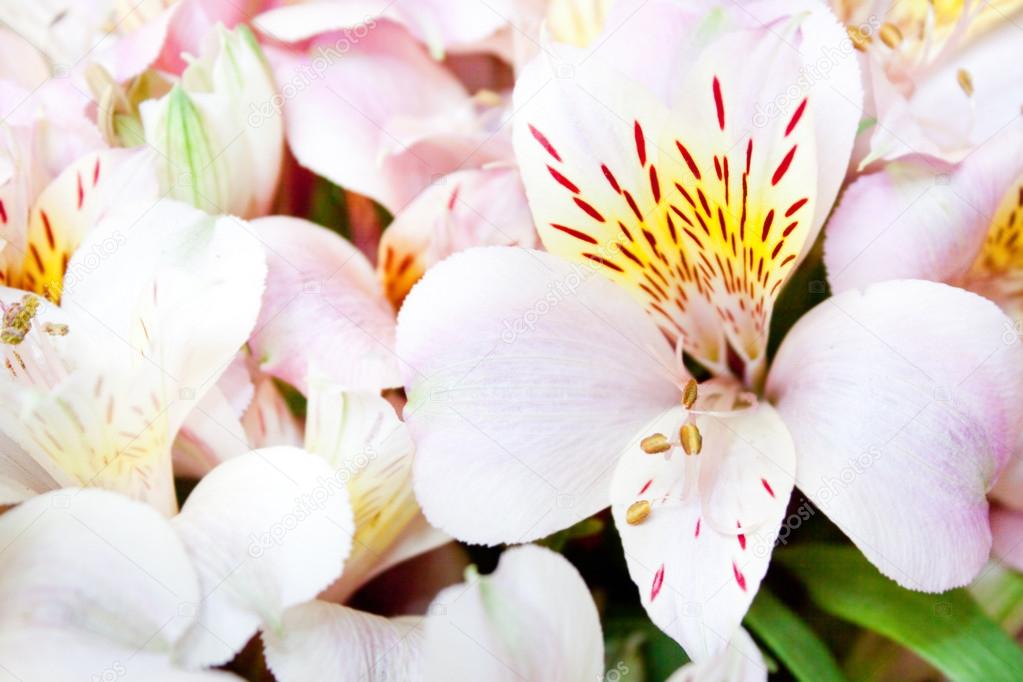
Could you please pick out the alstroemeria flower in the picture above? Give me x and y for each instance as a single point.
(544, 386)
(157, 300)
(216, 154)
(532, 619)
(92, 579)
(937, 79)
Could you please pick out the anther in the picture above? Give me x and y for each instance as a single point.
(55, 328)
(689, 394)
(860, 38)
(890, 35)
(965, 81)
(654, 444)
(637, 512)
(692, 441)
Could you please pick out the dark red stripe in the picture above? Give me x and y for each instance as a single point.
(544, 142)
(640, 143)
(563, 181)
(719, 103)
(795, 117)
(688, 159)
(795, 207)
(589, 210)
(783, 167)
(574, 233)
(603, 261)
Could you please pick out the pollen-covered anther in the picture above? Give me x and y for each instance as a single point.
(859, 37)
(637, 512)
(55, 328)
(965, 81)
(689, 394)
(655, 444)
(17, 320)
(692, 440)
(890, 35)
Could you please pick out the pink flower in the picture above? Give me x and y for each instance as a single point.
(675, 191)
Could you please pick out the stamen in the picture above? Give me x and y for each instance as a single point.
(689, 393)
(55, 328)
(17, 321)
(637, 512)
(655, 444)
(965, 81)
(891, 35)
(859, 37)
(692, 441)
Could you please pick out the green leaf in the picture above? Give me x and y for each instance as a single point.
(948, 630)
(791, 640)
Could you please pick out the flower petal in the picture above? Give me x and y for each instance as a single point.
(266, 530)
(323, 306)
(740, 662)
(700, 206)
(533, 618)
(699, 557)
(378, 89)
(1007, 536)
(319, 640)
(526, 378)
(361, 438)
(923, 219)
(485, 207)
(901, 400)
(95, 565)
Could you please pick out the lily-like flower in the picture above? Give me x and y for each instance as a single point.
(215, 155)
(533, 618)
(156, 301)
(937, 80)
(93, 581)
(544, 386)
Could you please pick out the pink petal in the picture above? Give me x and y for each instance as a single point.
(1007, 536)
(323, 306)
(526, 377)
(920, 218)
(902, 402)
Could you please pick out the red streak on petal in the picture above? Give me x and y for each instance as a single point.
(575, 233)
(3, 212)
(453, 198)
(603, 261)
(779, 173)
(688, 159)
(767, 225)
(719, 103)
(767, 487)
(544, 142)
(795, 117)
(640, 143)
(795, 207)
(95, 173)
(739, 577)
(611, 179)
(655, 588)
(563, 181)
(589, 210)
(655, 185)
(49, 230)
(81, 190)
(697, 534)
(646, 486)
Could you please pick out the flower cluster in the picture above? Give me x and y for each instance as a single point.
(511, 340)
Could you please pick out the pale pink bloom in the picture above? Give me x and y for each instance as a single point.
(95, 390)
(532, 619)
(92, 579)
(674, 213)
(936, 75)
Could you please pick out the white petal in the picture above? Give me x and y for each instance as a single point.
(740, 662)
(699, 557)
(533, 618)
(527, 377)
(94, 564)
(266, 530)
(902, 402)
(318, 640)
